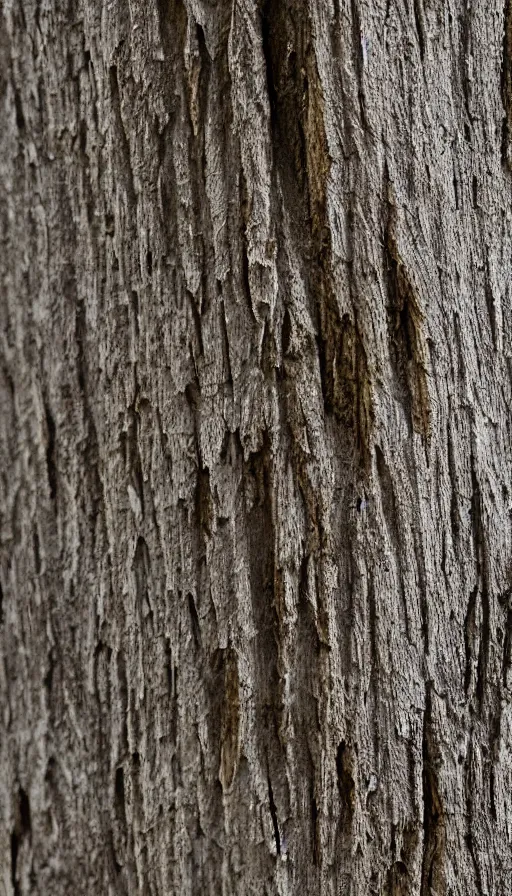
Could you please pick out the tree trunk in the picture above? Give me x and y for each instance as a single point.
(256, 500)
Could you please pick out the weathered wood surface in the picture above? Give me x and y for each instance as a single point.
(255, 342)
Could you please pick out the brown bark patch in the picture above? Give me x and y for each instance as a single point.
(397, 883)
(230, 721)
(301, 148)
(506, 86)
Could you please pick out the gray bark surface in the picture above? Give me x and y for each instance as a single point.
(255, 447)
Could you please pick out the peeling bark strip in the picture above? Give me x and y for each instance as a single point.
(255, 454)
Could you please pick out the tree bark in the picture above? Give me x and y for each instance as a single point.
(255, 436)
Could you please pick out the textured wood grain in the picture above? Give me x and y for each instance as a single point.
(255, 447)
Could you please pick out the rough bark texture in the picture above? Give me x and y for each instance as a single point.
(255, 342)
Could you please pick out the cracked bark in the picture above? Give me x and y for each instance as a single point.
(255, 391)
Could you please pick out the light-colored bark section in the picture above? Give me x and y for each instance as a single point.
(255, 391)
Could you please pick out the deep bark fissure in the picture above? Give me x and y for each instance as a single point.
(22, 830)
(273, 815)
(434, 833)
(346, 783)
(419, 18)
(51, 463)
(406, 339)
